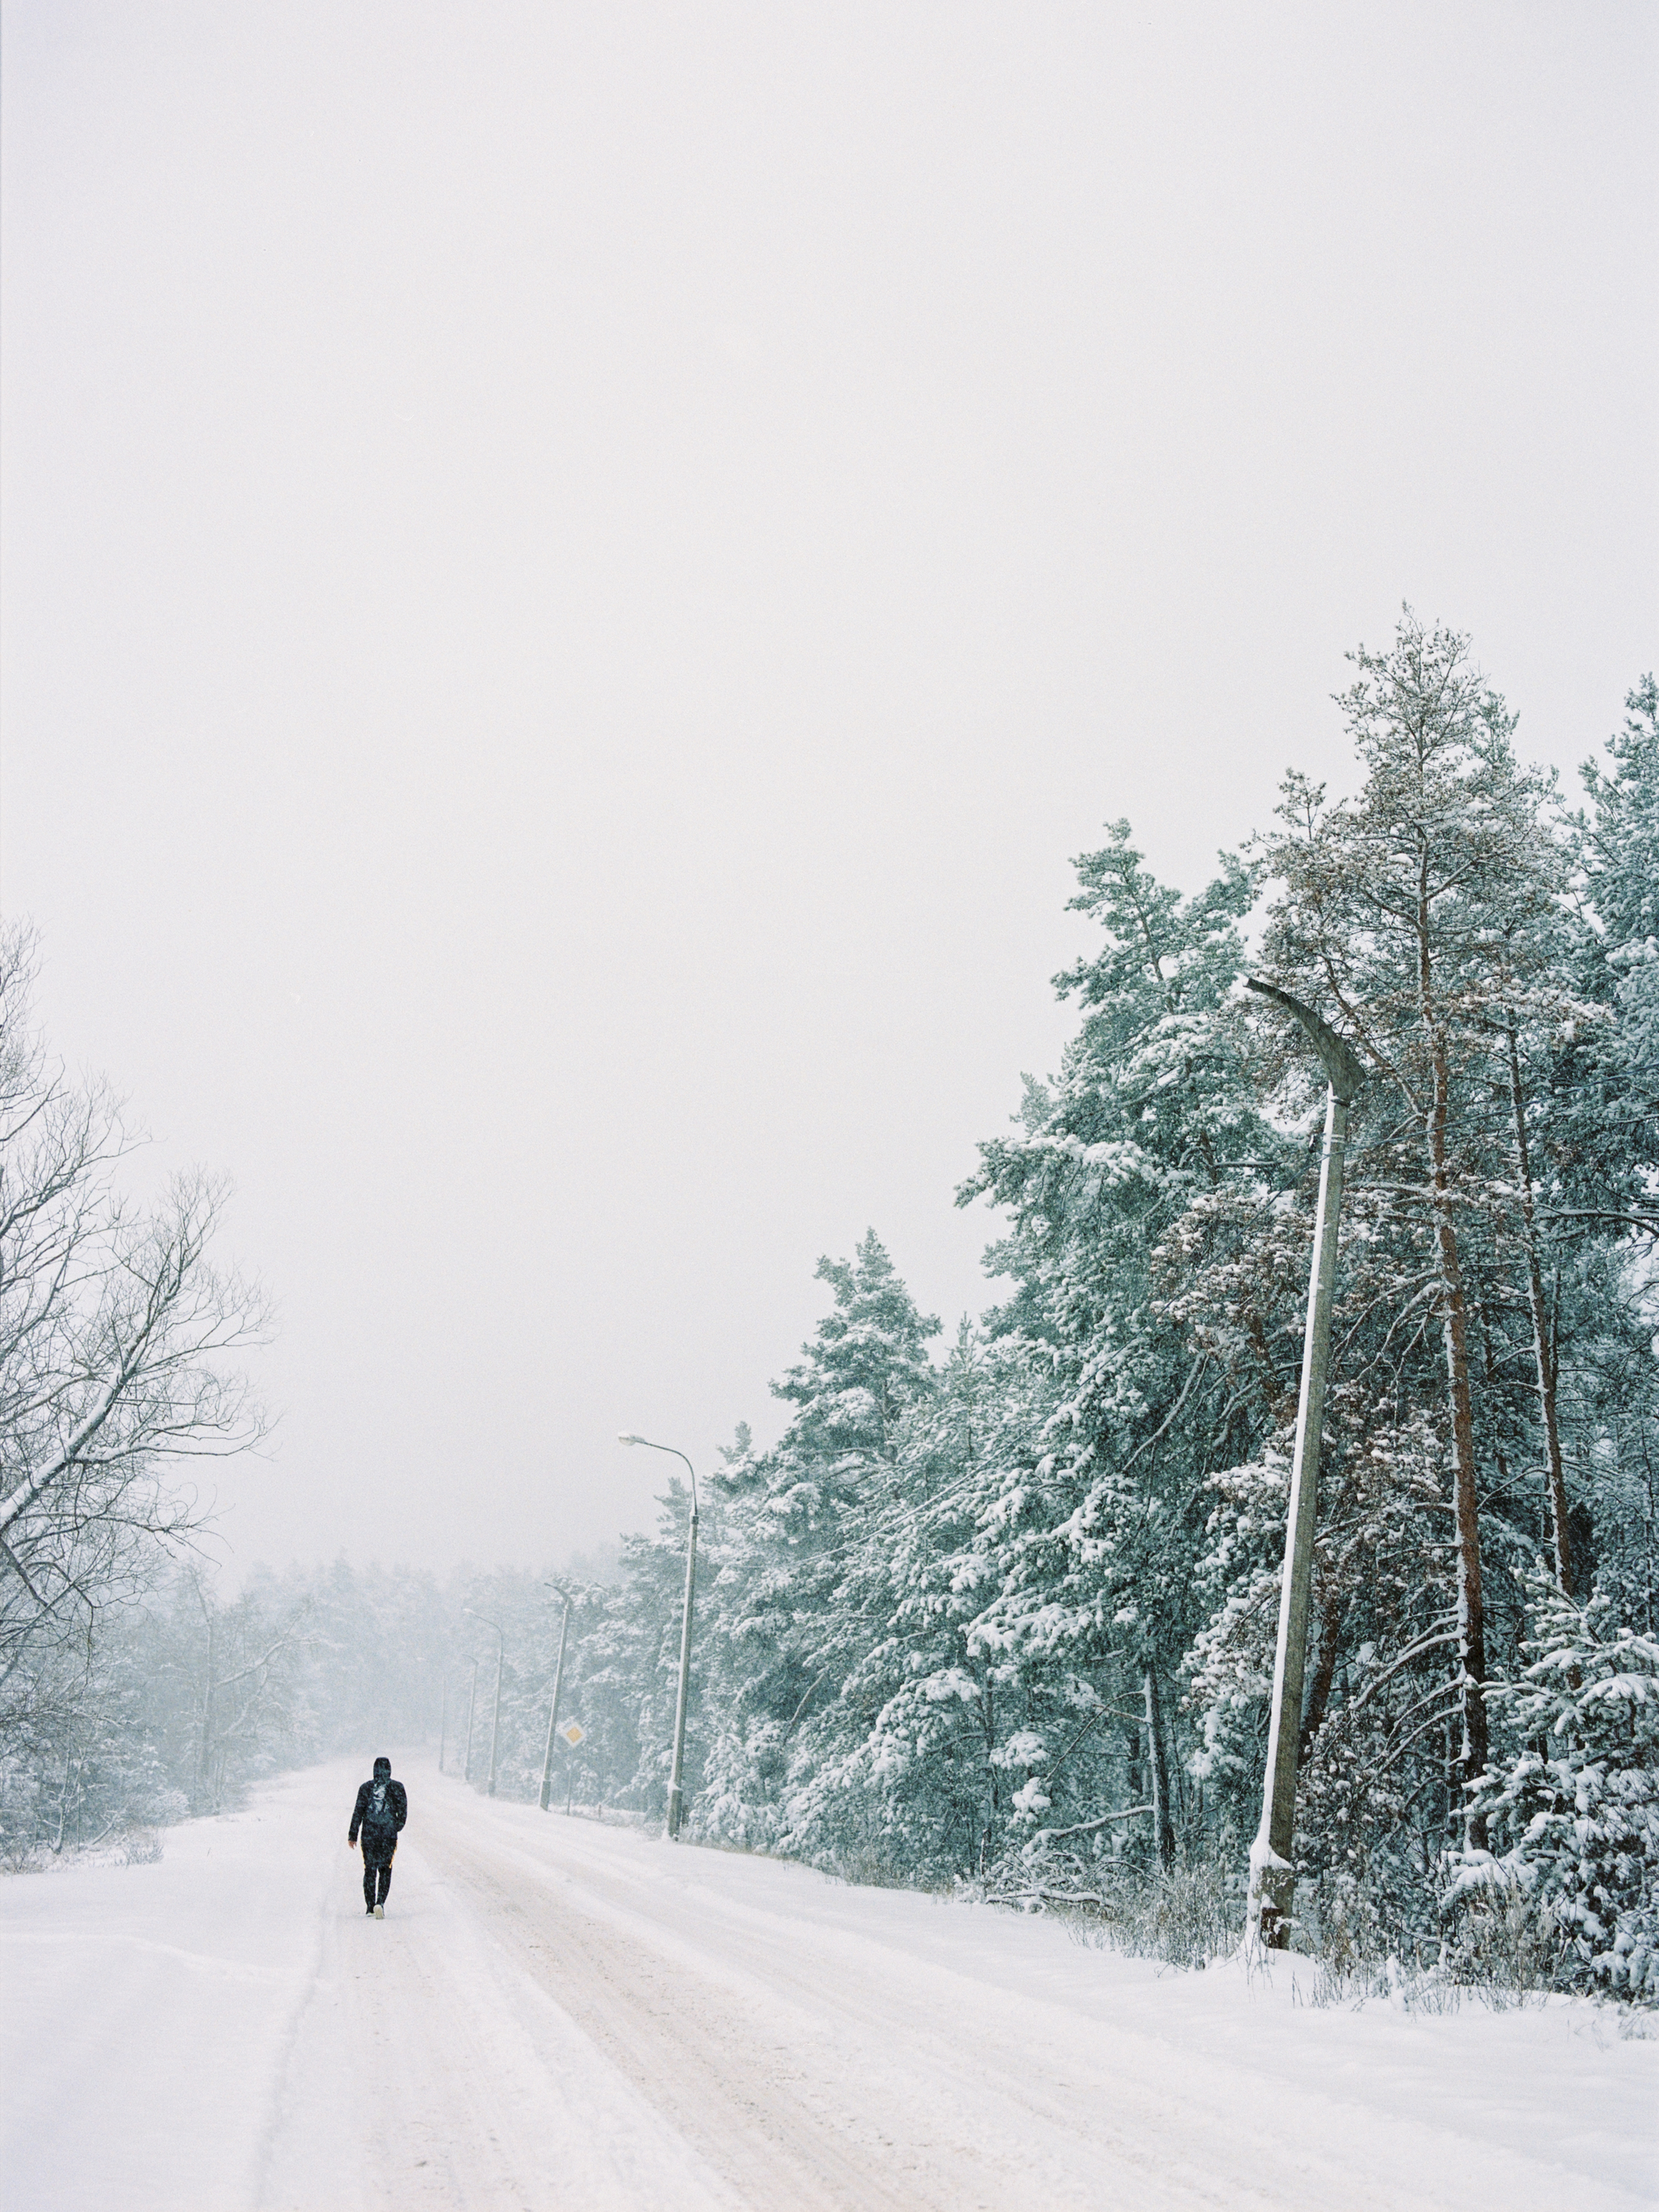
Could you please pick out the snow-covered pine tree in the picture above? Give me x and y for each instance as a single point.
(1619, 844)
(1601, 1211)
(785, 1625)
(1147, 1116)
(1417, 915)
(947, 1730)
(1574, 1811)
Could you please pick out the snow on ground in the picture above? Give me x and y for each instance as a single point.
(556, 2013)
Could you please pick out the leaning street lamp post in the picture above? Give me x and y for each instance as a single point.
(558, 1682)
(1272, 1864)
(443, 1724)
(495, 1725)
(675, 1798)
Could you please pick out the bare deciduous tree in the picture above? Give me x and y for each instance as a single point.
(114, 1333)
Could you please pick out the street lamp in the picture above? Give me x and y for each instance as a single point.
(674, 1792)
(558, 1680)
(495, 1725)
(1272, 1856)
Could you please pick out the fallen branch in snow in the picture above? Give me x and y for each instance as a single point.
(1082, 1827)
(1037, 1895)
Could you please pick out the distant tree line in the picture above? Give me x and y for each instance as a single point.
(1006, 1615)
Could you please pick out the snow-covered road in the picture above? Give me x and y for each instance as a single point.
(559, 2013)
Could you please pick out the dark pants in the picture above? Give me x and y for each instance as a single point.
(375, 1868)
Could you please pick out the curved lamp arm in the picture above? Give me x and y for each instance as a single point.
(1344, 1069)
(676, 1453)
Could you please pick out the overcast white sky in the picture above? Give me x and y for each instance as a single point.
(575, 574)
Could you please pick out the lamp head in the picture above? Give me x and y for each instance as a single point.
(626, 1439)
(1344, 1069)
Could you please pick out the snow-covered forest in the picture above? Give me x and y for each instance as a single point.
(999, 1606)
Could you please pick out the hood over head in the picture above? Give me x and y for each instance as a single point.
(383, 1770)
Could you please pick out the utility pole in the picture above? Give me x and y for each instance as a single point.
(1272, 1864)
(558, 1682)
(675, 1795)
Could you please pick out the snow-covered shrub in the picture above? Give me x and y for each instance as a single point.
(20, 1795)
(1574, 1815)
(1185, 1914)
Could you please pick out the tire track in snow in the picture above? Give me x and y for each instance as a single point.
(806, 2085)
(711, 2076)
(424, 2071)
(819, 2068)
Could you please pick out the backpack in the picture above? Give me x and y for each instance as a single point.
(378, 1814)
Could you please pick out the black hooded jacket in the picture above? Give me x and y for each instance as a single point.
(382, 1808)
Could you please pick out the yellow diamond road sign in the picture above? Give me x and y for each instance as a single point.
(572, 1732)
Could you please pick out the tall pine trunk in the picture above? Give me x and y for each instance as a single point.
(1158, 1766)
(1554, 1473)
(1455, 1325)
(1323, 1679)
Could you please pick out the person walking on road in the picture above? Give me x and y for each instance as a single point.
(382, 1808)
